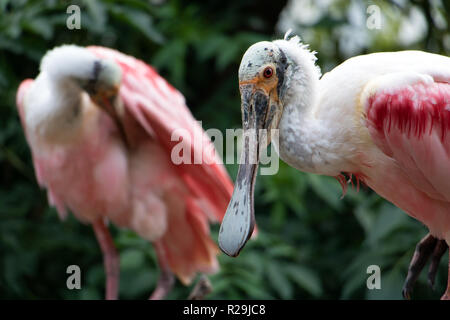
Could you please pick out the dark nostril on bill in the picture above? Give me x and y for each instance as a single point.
(261, 102)
(246, 114)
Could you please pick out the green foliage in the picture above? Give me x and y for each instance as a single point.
(311, 243)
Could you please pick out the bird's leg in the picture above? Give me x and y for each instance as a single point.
(446, 295)
(439, 250)
(166, 278)
(423, 251)
(201, 289)
(110, 258)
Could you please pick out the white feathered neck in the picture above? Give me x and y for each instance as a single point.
(307, 141)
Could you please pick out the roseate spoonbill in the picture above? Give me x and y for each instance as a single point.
(383, 118)
(99, 124)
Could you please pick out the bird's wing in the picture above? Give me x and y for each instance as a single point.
(408, 118)
(161, 110)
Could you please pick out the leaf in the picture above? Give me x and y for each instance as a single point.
(90, 294)
(305, 278)
(278, 215)
(227, 54)
(97, 12)
(278, 280)
(352, 285)
(211, 46)
(252, 290)
(131, 259)
(389, 219)
(365, 217)
(39, 26)
(134, 283)
(140, 21)
(281, 250)
(172, 57)
(327, 189)
(254, 261)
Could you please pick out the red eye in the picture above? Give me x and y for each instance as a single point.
(268, 72)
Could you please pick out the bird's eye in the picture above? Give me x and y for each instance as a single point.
(268, 72)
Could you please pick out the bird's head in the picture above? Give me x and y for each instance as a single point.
(72, 64)
(104, 82)
(261, 83)
(271, 76)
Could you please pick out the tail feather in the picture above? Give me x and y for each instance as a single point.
(187, 243)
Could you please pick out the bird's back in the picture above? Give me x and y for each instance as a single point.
(393, 110)
(342, 91)
(343, 84)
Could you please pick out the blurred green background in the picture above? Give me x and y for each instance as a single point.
(312, 244)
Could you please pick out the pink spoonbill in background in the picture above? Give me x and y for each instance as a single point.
(100, 125)
(383, 118)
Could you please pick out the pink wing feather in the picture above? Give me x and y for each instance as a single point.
(411, 124)
(161, 110)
